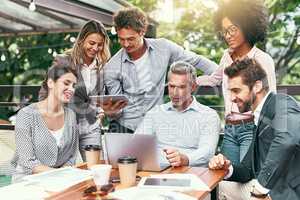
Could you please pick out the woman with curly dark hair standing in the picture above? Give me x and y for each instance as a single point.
(240, 24)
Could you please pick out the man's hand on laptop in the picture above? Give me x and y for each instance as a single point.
(111, 108)
(176, 158)
(219, 162)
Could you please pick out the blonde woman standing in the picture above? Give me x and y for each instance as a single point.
(88, 55)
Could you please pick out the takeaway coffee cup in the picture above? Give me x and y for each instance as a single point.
(127, 170)
(92, 155)
(101, 174)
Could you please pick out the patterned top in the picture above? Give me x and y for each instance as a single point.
(194, 131)
(85, 110)
(35, 145)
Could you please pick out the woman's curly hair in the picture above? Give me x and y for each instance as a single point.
(250, 16)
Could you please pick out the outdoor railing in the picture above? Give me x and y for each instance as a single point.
(21, 91)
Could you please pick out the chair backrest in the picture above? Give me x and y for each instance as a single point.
(7, 149)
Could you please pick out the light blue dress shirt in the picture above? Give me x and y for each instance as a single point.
(194, 131)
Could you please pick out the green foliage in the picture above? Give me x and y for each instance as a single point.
(146, 6)
(27, 59)
(114, 44)
(197, 29)
(283, 42)
(284, 39)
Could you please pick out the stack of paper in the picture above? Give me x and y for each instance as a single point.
(59, 179)
(38, 186)
(23, 191)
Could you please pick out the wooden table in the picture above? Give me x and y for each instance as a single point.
(210, 177)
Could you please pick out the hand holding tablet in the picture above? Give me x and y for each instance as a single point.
(106, 99)
(111, 104)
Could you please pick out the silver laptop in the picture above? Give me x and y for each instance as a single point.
(143, 147)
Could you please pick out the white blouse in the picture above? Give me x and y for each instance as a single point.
(89, 75)
(57, 134)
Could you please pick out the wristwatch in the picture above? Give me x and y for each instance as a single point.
(260, 196)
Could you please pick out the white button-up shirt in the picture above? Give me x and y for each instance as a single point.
(89, 75)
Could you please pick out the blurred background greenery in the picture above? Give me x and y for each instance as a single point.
(25, 59)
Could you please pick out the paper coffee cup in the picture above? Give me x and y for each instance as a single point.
(92, 155)
(101, 174)
(127, 169)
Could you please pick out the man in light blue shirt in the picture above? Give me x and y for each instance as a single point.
(138, 70)
(187, 131)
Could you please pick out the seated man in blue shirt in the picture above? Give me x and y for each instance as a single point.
(187, 131)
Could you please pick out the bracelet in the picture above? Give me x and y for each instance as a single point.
(260, 196)
(92, 148)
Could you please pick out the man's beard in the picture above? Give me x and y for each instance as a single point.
(247, 105)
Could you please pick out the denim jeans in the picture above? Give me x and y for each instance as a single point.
(237, 140)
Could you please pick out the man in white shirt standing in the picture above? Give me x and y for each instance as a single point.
(270, 169)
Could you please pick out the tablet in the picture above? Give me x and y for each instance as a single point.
(168, 182)
(103, 98)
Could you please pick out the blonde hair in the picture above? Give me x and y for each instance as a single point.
(76, 52)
